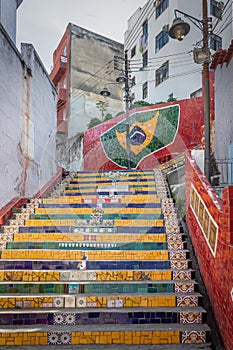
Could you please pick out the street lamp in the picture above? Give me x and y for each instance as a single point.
(105, 92)
(124, 78)
(179, 30)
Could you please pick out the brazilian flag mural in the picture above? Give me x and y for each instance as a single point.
(149, 131)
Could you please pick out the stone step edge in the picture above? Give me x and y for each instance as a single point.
(82, 295)
(178, 309)
(203, 346)
(109, 328)
(193, 282)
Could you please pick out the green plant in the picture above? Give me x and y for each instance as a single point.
(171, 99)
(141, 104)
(93, 122)
(107, 117)
(102, 106)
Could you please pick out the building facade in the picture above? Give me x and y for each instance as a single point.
(223, 66)
(27, 120)
(83, 64)
(8, 16)
(163, 68)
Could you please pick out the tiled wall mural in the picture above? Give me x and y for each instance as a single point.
(149, 131)
(205, 220)
(209, 221)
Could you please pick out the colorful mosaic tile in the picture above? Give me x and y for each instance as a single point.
(184, 287)
(187, 301)
(177, 255)
(193, 337)
(179, 265)
(59, 338)
(175, 242)
(182, 275)
(190, 317)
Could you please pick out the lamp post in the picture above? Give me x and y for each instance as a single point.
(179, 30)
(124, 78)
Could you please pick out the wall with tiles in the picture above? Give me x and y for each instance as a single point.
(188, 136)
(210, 223)
(27, 119)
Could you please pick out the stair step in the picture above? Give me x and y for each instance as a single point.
(71, 275)
(92, 275)
(84, 316)
(178, 267)
(105, 334)
(50, 300)
(205, 346)
(89, 245)
(97, 287)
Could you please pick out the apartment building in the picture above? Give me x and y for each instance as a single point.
(163, 68)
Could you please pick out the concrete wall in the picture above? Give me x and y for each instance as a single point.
(27, 121)
(92, 68)
(224, 115)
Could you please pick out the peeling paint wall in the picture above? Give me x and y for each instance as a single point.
(70, 152)
(27, 121)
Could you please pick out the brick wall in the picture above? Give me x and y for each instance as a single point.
(210, 223)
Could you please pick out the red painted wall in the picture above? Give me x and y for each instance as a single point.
(188, 136)
(216, 270)
(62, 125)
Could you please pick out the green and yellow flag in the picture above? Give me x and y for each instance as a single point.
(149, 131)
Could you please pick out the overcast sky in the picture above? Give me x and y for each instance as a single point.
(43, 22)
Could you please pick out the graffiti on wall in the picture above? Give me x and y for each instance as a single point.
(205, 220)
(149, 131)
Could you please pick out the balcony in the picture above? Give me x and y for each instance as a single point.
(59, 69)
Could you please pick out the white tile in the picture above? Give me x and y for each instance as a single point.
(81, 302)
(69, 302)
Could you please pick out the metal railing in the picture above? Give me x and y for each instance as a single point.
(222, 174)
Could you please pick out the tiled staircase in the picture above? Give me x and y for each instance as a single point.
(104, 265)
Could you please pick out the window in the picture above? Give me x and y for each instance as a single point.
(160, 7)
(143, 41)
(215, 42)
(133, 81)
(64, 114)
(145, 59)
(145, 28)
(64, 83)
(64, 51)
(144, 90)
(161, 40)
(161, 74)
(133, 51)
(216, 8)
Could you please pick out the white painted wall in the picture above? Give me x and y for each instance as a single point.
(184, 74)
(27, 122)
(8, 16)
(224, 116)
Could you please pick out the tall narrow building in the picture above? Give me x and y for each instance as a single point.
(8, 16)
(83, 64)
